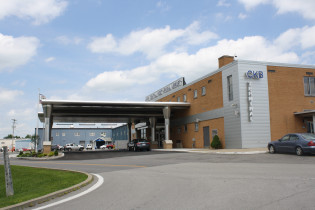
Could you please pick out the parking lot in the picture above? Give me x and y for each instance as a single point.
(178, 180)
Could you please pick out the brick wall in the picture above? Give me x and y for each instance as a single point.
(286, 96)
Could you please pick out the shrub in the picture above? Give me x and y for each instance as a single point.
(21, 153)
(56, 152)
(216, 144)
(51, 153)
(34, 154)
(40, 155)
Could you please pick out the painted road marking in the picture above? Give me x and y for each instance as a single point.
(87, 164)
(94, 187)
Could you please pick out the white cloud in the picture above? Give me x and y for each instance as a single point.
(297, 37)
(38, 11)
(242, 16)
(150, 42)
(65, 40)
(223, 3)
(18, 51)
(303, 7)
(163, 6)
(7, 96)
(50, 59)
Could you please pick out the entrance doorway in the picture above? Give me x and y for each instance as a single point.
(206, 137)
(310, 127)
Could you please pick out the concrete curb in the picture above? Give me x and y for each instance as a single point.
(223, 151)
(42, 199)
(40, 158)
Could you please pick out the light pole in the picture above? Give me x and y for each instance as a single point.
(36, 132)
(13, 126)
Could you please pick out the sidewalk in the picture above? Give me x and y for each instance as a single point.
(248, 151)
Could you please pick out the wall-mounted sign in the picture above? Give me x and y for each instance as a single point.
(250, 101)
(163, 91)
(254, 74)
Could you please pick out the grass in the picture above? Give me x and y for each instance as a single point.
(29, 183)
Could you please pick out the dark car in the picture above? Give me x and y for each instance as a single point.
(138, 144)
(298, 143)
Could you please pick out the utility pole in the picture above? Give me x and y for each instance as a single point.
(13, 126)
(36, 133)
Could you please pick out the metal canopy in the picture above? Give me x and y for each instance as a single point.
(305, 113)
(107, 111)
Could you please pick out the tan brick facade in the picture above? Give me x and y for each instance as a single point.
(213, 99)
(286, 96)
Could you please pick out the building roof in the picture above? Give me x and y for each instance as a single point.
(106, 111)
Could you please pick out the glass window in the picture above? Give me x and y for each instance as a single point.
(214, 132)
(195, 93)
(57, 134)
(185, 128)
(286, 138)
(178, 99)
(309, 86)
(92, 134)
(185, 98)
(230, 87)
(63, 134)
(203, 90)
(178, 130)
(76, 134)
(196, 126)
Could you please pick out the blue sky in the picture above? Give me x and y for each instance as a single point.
(125, 50)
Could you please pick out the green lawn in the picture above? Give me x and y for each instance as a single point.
(29, 183)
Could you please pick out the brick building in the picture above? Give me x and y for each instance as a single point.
(246, 103)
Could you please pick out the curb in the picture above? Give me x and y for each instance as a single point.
(44, 198)
(40, 158)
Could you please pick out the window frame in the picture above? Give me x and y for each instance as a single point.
(203, 90)
(195, 93)
(230, 87)
(309, 86)
(185, 98)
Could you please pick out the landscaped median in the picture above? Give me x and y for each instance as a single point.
(37, 185)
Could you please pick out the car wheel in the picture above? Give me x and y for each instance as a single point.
(272, 149)
(299, 151)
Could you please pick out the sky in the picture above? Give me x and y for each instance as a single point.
(109, 50)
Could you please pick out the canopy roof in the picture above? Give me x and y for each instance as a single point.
(107, 111)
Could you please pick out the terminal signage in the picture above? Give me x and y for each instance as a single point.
(163, 91)
(250, 74)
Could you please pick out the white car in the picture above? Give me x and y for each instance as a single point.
(88, 146)
(103, 147)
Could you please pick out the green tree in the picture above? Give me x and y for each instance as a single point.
(28, 136)
(216, 144)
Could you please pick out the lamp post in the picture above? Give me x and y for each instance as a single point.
(13, 126)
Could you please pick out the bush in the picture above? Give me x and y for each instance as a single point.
(52, 153)
(216, 144)
(21, 153)
(56, 152)
(34, 154)
(40, 155)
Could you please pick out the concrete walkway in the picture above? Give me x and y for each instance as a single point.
(218, 151)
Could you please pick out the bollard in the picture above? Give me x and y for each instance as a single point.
(7, 172)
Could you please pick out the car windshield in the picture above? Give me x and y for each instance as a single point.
(143, 140)
(308, 136)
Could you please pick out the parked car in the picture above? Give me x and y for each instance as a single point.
(138, 144)
(298, 143)
(107, 145)
(56, 147)
(88, 146)
(73, 146)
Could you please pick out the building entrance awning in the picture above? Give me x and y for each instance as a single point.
(305, 113)
(105, 111)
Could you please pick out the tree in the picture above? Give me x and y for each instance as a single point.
(28, 136)
(9, 136)
(216, 144)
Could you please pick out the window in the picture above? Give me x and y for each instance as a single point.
(203, 90)
(178, 130)
(76, 134)
(63, 134)
(143, 133)
(184, 98)
(309, 86)
(92, 134)
(185, 128)
(103, 134)
(57, 134)
(230, 87)
(214, 132)
(178, 99)
(195, 93)
(196, 126)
